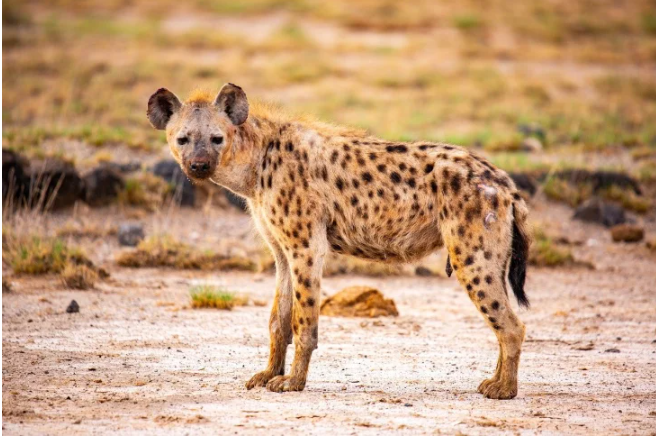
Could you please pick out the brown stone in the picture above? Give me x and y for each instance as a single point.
(359, 301)
(627, 233)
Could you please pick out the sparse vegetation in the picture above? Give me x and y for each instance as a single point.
(544, 252)
(211, 297)
(165, 251)
(35, 255)
(78, 276)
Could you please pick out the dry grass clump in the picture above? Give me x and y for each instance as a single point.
(144, 190)
(38, 255)
(576, 193)
(87, 230)
(545, 253)
(78, 276)
(35, 255)
(628, 199)
(165, 251)
(211, 297)
(563, 191)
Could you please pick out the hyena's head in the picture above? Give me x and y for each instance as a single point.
(200, 129)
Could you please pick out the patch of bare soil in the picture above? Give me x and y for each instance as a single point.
(137, 359)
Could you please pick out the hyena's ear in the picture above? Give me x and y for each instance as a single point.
(232, 100)
(161, 106)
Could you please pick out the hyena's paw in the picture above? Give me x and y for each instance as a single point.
(260, 379)
(498, 389)
(280, 384)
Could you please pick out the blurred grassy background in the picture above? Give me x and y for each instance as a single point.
(462, 71)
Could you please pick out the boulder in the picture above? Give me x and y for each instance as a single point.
(102, 185)
(525, 183)
(627, 233)
(130, 234)
(599, 180)
(359, 301)
(55, 184)
(596, 210)
(15, 180)
(183, 191)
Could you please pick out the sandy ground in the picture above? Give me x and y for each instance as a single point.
(135, 360)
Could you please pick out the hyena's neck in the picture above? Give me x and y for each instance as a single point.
(241, 165)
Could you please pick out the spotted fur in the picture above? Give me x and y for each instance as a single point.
(314, 188)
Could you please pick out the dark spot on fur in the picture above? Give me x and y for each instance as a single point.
(429, 168)
(411, 182)
(397, 149)
(481, 294)
(434, 187)
(495, 305)
(488, 279)
(492, 319)
(476, 280)
(469, 260)
(484, 309)
(339, 183)
(396, 177)
(354, 200)
(310, 302)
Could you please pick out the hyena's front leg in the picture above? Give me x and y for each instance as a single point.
(306, 261)
(279, 324)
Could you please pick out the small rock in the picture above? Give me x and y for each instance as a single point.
(359, 301)
(627, 233)
(73, 307)
(613, 350)
(130, 234)
(596, 210)
(532, 145)
(423, 271)
(101, 186)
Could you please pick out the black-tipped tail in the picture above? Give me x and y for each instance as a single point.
(519, 258)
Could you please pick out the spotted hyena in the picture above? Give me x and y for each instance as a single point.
(313, 188)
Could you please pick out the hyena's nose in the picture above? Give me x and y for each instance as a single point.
(200, 166)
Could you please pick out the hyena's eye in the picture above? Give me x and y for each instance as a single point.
(183, 140)
(216, 140)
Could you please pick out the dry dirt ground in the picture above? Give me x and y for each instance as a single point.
(136, 360)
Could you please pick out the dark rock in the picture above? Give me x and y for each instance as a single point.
(183, 190)
(599, 180)
(55, 184)
(73, 307)
(123, 168)
(596, 210)
(525, 183)
(130, 234)
(613, 350)
(15, 180)
(102, 185)
(235, 200)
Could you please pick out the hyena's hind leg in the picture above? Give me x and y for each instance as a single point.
(479, 257)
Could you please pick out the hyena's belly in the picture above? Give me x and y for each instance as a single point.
(396, 243)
